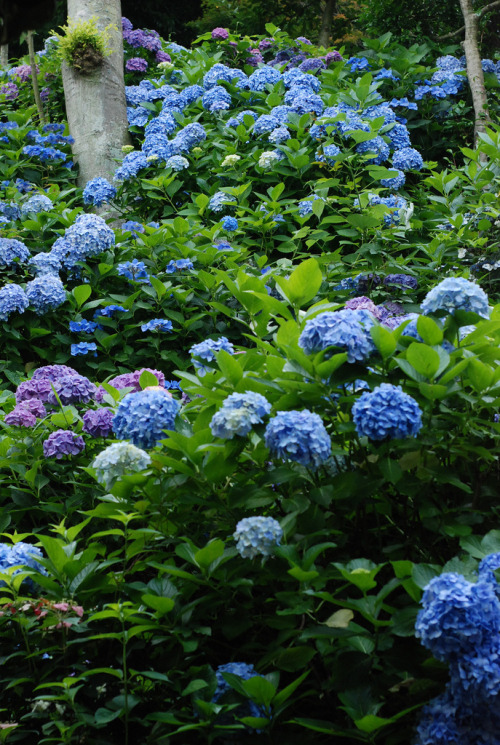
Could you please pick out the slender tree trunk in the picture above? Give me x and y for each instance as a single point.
(326, 23)
(474, 69)
(34, 77)
(95, 103)
(4, 54)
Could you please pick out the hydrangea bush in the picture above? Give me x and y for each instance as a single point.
(249, 411)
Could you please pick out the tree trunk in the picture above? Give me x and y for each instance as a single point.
(34, 77)
(326, 23)
(474, 69)
(95, 102)
(4, 54)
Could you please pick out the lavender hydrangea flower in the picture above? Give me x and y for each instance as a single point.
(34, 406)
(387, 413)
(219, 34)
(98, 422)
(61, 443)
(136, 64)
(456, 293)
(239, 412)
(20, 417)
(142, 417)
(298, 436)
(257, 535)
(12, 299)
(72, 389)
(130, 380)
(117, 460)
(52, 372)
(37, 389)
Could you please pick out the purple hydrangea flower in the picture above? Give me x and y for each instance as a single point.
(38, 389)
(130, 380)
(136, 64)
(72, 389)
(20, 417)
(219, 34)
(61, 443)
(52, 372)
(98, 422)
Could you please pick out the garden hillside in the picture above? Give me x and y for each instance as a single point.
(250, 399)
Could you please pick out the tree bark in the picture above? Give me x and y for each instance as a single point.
(326, 23)
(4, 54)
(474, 69)
(95, 103)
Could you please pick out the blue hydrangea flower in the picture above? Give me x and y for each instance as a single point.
(279, 135)
(387, 412)
(130, 166)
(20, 554)
(299, 436)
(395, 182)
(239, 412)
(456, 293)
(347, 329)
(304, 102)
(178, 266)
(264, 76)
(160, 324)
(45, 293)
(229, 223)
(117, 460)
(206, 350)
(109, 311)
(264, 124)
(87, 237)
(457, 616)
(134, 270)
(98, 191)
(10, 212)
(12, 251)
(328, 155)
(189, 137)
(133, 227)
(142, 417)
(44, 263)
(407, 159)
(487, 567)
(395, 203)
(82, 327)
(358, 63)
(35, 204)
(379, 147)
(84, 347)
(216, 99)
(257, 535)
(306, 206)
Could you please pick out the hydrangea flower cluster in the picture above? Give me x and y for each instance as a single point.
(98, 422)
(460, 624)
(117, 460)
(35, 204)
(387, 413)
(142, 417)
(456, 293)
(130, 380)
(157, 324)
(245, 672)
(239, 412)
(134, 270)
(72, 388)
(206, 350)
(13, 251)
(83, 347)
(20, 554)
(45, 293)
(178, 265)
(298, 436)
(87, 237)
(136, 64)
(347, 329)
(98, 191)
(61, 443)
(257, 535)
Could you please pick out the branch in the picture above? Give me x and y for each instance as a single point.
(480, 13)
(34, 78)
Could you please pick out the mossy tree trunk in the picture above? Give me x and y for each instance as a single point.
(95, 102)
(326, 23)
(474, 69)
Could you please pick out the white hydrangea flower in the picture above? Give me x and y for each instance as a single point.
(230, 160)
(117, 460)
(267, 159)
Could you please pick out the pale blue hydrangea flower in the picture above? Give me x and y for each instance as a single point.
(20, 554)
(206, 350)
(257, 535)
(456, 293)
(45, 263)
(387, 412)
(347, 329)
(239, 412)
(177, 163)
(117, 460)
(35, 204)
(298, 436)
(218, 201)
(142, 417)
(12, 251)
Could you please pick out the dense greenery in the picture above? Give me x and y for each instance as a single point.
(114, 631)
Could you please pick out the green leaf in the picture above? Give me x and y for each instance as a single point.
(260, 690)
(327, 368)
(423, 359)
(294, 658)
(158, 603)
(283, 695)
(370, 723)
(302, 575)
(383, 340)
(480, 375)
(158, 286)
(303, 283)
(433, 392)
(229, 366)
(212, 551)
(363, 221)
(82, 294)
(54, 550)
(147, 378)
(429, 331)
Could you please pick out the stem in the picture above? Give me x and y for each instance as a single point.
(125, 677)
(34, 78)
